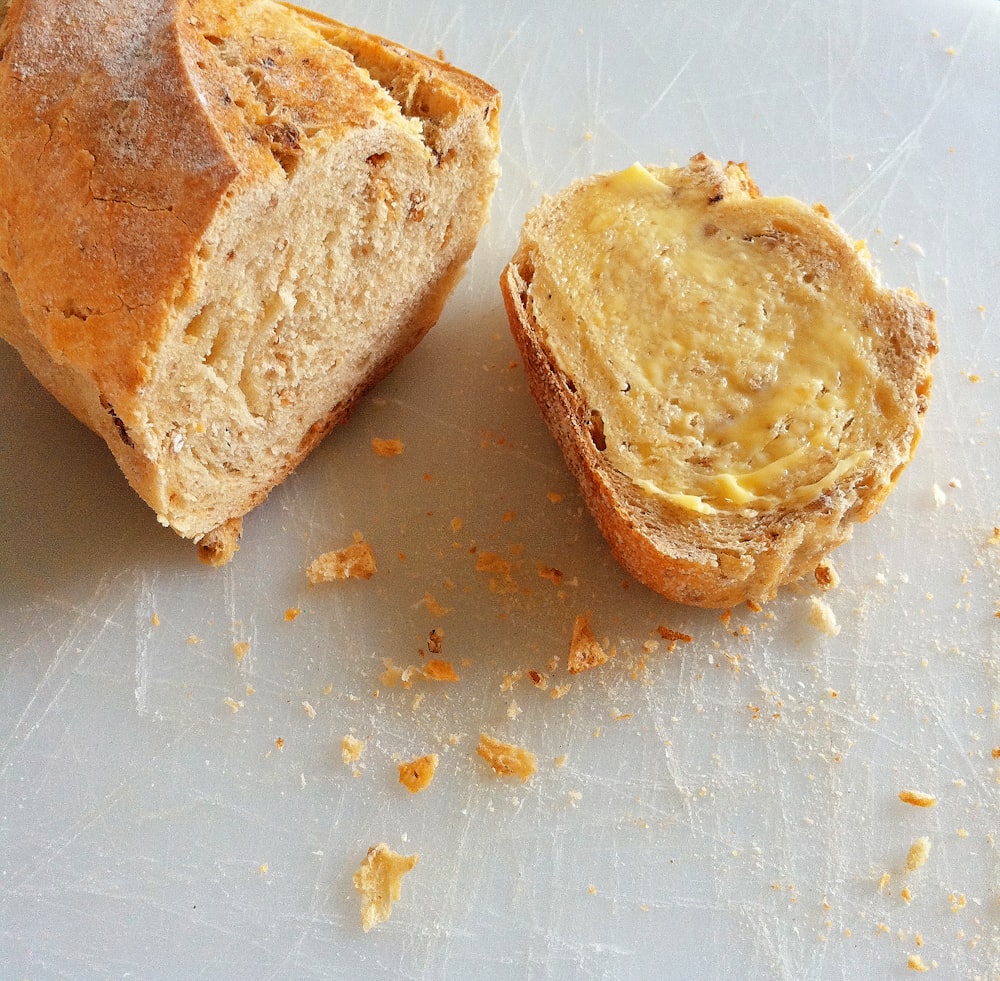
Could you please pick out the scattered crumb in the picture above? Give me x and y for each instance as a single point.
(822, 617)
(917, 798)
(672, 637)
(435, 641)
(387, 447)
(918, 853)
(356, 561)
(291, 613)
(553, 575)
(351, 749)
(232, 704)
(560, 761)
(905, 894)
(559, 691)
(940, 498)
(262, 868)
(417, 774)
(309, 710)
(156, 619)
(554, 496)
(513, 710)
(434, 607)
(379, 880)
(916, 963)
(279, 743)
(883, 883)
(241, 649)
(435, 670)
(584, 650)
(826, 574)
(506, 760)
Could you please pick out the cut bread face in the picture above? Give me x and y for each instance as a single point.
(727, 379)
(221, 223)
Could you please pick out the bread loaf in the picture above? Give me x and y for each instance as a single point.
(724, 373)
(222, 222)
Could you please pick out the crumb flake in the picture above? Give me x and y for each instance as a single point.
(916, 963)
(584, 650)
(917, 798)
(826, 575)
(822, 617)
(505, 759)
(386, 447)
(356, 561)
(416, 775)
(917, 856)
(351, 749)
(379, 880)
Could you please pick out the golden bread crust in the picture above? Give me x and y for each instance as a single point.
(158, 160)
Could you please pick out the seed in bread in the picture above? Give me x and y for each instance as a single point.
(727, 379)
(220, 224)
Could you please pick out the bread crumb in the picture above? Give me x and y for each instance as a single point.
(356, 561)
(826, 575)
(957, 901)
(822, 617)
(905, 894)
(917, 798)
(309, 710)
(507, 760)
(279, 743)
(156, 619)
(232, 705)
(672, 637)
(553, 575)
(940, 498)
(291, 613)
(883, 883)
(560, 761)
(435, 670)
(554, 497)
(916, 963)
(379, 880)
(918, 853)
(435, 640)
(513, 710)
(351, 749)
(434, 607)
(240, 649)
(387, 447)
(417, 774)
(584, 650)
(218, 546)
(560, 690)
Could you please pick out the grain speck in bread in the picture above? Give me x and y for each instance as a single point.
(728, 381)
(222, 222)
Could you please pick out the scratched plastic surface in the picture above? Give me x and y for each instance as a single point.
(729, 808)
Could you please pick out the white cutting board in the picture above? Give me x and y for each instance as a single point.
(725, 810)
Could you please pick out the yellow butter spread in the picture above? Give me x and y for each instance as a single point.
(727, 357)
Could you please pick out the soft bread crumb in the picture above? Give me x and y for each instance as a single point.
(507, 760)
(351, 749)
(417, 774)
(917, 856)
(917, 798)
(822, 617)
(437, 670)
(916, 963)
(584, 650)
(220, 545)
(379, 880)
(356, 561)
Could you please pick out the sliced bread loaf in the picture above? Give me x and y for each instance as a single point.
(222, 221)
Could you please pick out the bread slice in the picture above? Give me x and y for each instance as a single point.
(221, 222)
(727, 379)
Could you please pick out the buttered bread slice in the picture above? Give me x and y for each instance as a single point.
(727, 378)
